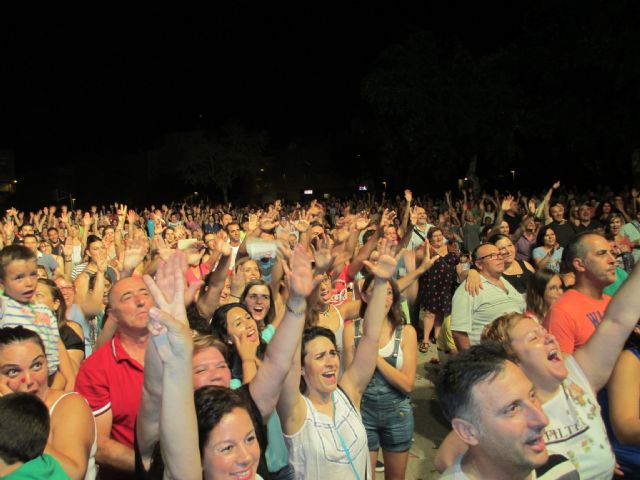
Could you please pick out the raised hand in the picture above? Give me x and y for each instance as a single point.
(132, 217)
(300, 274)
(87, 220)
(223, 247)
(322, 255)
(408, 195)
(302, 225)
(102, 261)
(236, 284)
(387, 217)
(387, 263)
(253, 222)
(362, 221)
(134, 253)
(428, 260)
(8, 228)
(170, 285)
(506, 203)
(556, 185)
(267, 222)
(168, 321)
(161, 246)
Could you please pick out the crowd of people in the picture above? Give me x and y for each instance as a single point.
(281, 341)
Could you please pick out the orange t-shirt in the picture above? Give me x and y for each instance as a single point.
(574, 318)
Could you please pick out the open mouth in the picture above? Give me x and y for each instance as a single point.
(331, 375)
(554, 356)
(258, 310)
(325, 294)
(251, 334)
(536, 443)
(244, 474)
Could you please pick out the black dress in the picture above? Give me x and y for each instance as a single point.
(521, 280)
(437, 284)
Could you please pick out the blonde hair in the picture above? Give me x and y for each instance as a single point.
(202, 342)
(498, 330)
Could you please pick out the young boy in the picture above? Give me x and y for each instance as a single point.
(23, 437)
(18, 279)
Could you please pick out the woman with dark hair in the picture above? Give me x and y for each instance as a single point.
(233, 324)
(207, 365)
(517, 272)
(95, 260)
(437, 285)
(258, 297)
(619, 402)
(548, 254)
(322, 423)
(71, 334)
(23, 368)
(604, 210)
(544, 289)
(386, 407)
(226, 435)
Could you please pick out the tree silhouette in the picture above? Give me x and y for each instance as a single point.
(219, 157)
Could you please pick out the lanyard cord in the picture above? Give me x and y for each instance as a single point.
(342, 442)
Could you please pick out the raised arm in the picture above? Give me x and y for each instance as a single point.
(408, 196)
(267, 384)
(598, 356)
(208, 302)
(173, 344)
(546, 201)
(624, 397)
(358, 374)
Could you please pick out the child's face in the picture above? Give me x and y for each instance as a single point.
(20, 280)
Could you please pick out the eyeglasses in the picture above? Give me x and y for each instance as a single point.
(491, 256)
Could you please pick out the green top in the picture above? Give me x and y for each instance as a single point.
(44, 467)
(621, 276)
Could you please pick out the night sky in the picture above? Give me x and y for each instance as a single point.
(84, 86)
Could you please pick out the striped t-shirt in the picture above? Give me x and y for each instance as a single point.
(36, 317)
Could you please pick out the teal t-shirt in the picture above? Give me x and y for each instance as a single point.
(44, 467)
(621, 277)
(277, 455)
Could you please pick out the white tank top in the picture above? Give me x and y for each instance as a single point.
(316, 451)
(91, 465)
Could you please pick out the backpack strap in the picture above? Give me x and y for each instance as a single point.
(396, 341)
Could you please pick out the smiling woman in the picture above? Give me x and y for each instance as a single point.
(233, 324)
(227, 435)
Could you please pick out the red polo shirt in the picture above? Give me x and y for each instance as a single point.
(111, 380)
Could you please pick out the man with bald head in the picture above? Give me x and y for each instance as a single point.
(470, 314)
(111, 378)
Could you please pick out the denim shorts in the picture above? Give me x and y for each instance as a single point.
(388, 425)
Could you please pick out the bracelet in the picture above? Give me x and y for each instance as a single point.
(235, 296)
(299, 312)
(67, 259)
